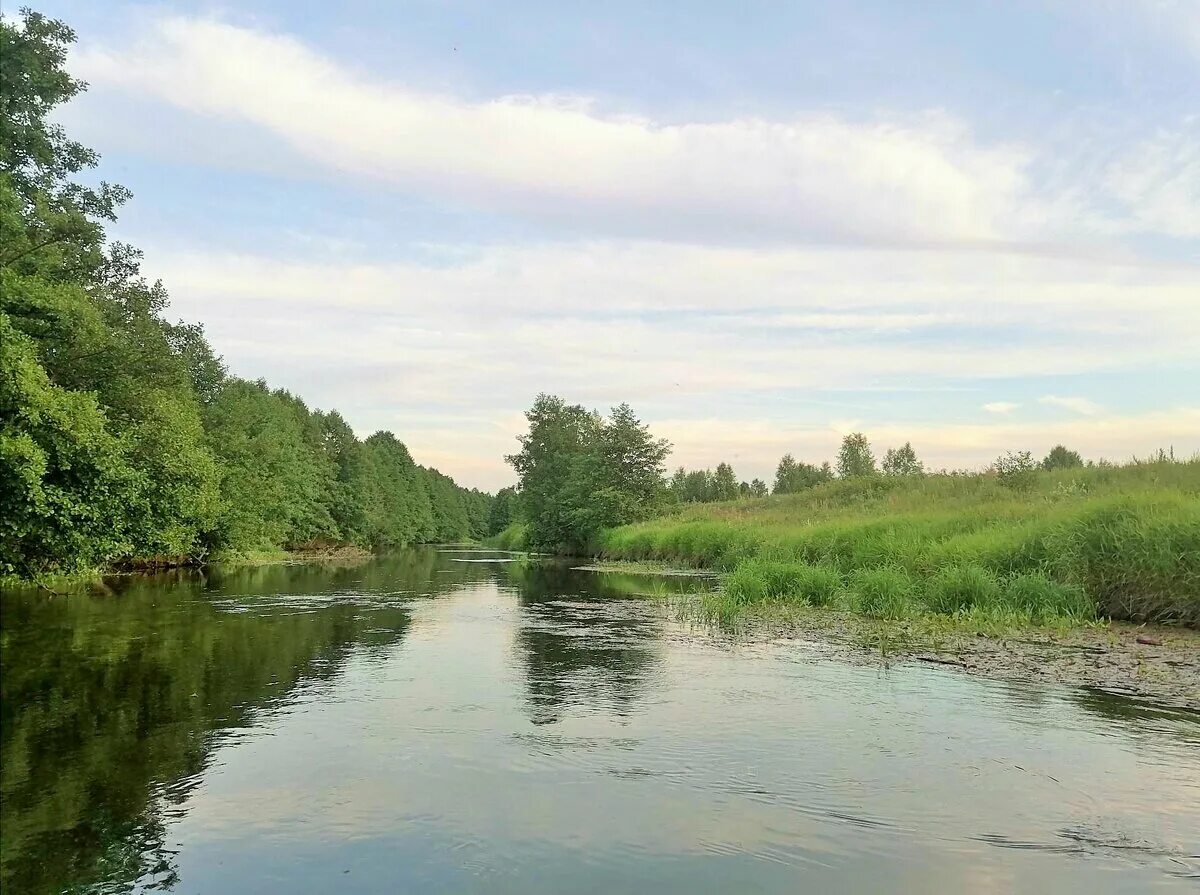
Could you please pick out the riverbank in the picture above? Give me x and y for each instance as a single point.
(342, 554)
(1149, 662)
(1067, 546)
(1157, 663)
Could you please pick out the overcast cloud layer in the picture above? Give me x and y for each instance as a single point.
(756, 274)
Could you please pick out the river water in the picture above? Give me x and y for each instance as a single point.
(436, 721)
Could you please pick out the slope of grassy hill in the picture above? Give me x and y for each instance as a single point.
(1113, 541)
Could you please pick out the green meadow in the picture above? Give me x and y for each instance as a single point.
(1120, 542)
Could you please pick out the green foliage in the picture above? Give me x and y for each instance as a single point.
(1062, 457)
(902, 461)
(515, 536)
(503, 510)
(882, 593)
(62, 479)
(1016, 470)
(121, 435)
(855, 457)
(725, 483)
(792, 477)
(580, 473)
(760, 579)
(706, 486)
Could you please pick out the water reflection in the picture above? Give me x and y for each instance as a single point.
(584, 645)
(430, 722)
(113, 702)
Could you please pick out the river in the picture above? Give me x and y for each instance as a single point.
(442, 721)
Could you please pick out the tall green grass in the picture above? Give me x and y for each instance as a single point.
(1118, 542)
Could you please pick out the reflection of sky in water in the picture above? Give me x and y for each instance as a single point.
(715, 769)
(518, 734)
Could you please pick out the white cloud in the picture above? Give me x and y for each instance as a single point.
(1158, 180)
(663, 326)
(1077, 405)
(1000, 407)
(919, 178)
(814, 288)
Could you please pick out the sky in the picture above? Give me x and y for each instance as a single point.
(974, 226)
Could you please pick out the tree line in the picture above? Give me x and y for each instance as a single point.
(580, 472)
(122, 435)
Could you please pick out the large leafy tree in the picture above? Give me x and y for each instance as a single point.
(85, 332)
(558, 435)
(580, 473)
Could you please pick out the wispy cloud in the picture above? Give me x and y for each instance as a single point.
(1076, 405)
(910, 179)
(1000, 407)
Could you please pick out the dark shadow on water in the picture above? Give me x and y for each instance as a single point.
(1135, 716)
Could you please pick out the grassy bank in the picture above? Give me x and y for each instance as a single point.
(1116, 542)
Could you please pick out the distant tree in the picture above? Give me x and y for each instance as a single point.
(677, 486)
(758, 488)
(503, 510)
(1061, 457)
(616, 480)
(1016, 470)
(724, 483)
(558, 435)
(902, 461)
(792, 476)
(784, 473)
(700, 486)
(855, 457)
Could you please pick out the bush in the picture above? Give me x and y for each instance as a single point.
(759, 579)
(956, 588)
(1044, 599)
(1016, 470)
(514, 537)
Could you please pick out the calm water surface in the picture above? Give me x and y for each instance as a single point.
(425, 724)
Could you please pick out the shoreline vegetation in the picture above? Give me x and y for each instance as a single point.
(1143, 660)
(1021, 544)
(125, 443)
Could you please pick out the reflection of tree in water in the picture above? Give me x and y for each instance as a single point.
(112, 705)
(584, 647)
(1137, 717)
